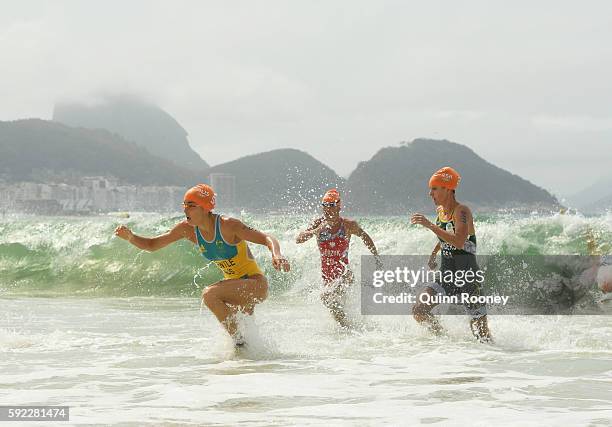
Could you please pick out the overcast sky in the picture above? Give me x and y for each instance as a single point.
(527, 85)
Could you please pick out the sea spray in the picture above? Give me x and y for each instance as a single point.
(80, 256)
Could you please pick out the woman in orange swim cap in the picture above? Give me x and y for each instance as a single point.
(333, 233)
(222, 240)
(455, 230)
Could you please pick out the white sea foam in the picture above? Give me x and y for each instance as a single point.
(159, 360)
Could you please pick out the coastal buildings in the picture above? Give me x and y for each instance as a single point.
(90, 195)
(94, 194)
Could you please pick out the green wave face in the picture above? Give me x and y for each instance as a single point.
(47, 256)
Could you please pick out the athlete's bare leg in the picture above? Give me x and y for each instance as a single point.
(226, 297)
(333, 298)
(422, 313)
(480, 329)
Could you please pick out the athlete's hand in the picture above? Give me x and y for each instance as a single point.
(280, 263)
(124, 233)
(421, 220)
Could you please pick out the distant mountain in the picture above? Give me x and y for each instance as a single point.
(39, 150)
(145, 124)
(595, 198)
(279, 179)
(394, 181)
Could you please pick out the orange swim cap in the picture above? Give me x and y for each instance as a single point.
(331, 196)
(202, 195)
(446, 177)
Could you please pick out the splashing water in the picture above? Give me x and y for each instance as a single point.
(80, 256)
(117, 334)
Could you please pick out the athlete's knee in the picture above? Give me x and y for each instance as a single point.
(209, 296)
(263, 289)
(421, 312)
(333, 305)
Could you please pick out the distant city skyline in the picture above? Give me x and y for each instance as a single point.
(525, 85)
(92, 194)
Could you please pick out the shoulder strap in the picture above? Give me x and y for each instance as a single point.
(199, 237)
(218, 227)
(219, 234)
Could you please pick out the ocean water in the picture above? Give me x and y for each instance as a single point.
(119, 335)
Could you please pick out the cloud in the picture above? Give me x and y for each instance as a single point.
(460, 115)
(580, 123)
(344, 77)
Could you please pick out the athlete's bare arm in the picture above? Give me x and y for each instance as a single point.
(180, 231)
(463, 221)
(352, 227)
(240, 231)
(313, 229)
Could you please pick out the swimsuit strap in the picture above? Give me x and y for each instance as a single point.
(218, 227)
